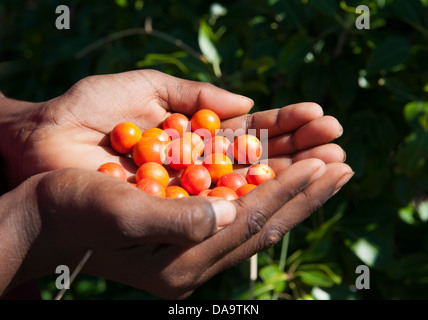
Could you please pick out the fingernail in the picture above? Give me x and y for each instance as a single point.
(344, 180)
(224, 211)
(251, 101)
(340, 132)
(317, 173)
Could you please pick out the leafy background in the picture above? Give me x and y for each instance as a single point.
(375, 82)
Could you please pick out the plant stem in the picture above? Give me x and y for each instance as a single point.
(147, 30)
(284, 250)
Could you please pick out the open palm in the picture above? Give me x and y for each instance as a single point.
(72, 130)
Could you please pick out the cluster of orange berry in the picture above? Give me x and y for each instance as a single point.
(194, 149)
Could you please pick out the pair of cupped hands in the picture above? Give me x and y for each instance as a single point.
(62, 206)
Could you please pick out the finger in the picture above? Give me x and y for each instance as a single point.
(125, 216)
(185, 96)
(328, 153)
(277, 121)
(182, 221)
(292, 213)
(315, 133)
(305, 203)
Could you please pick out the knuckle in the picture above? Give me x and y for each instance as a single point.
(269, 238)
(179, 285)
(312, 203)
(257, 218)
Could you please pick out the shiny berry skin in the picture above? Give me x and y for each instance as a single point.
(113, 169)
(149, 149)
(195, 179)
(197, 141)
(223, 192)
(151, 186)
(152, 170)
(181, 153)
(205, 119)
(204, 192)
(247, 149)
(259, 173)
(231, 180)
(245, 189)
(219, 144)
(175, 125)
(176, 192)
(124, 136)
(158, 134)
(218, 165)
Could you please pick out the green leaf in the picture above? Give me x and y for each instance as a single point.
(328, 7)
(366, 251)
(411, 268)
(336, 278)
(412, 154)
(272, 275)
(293, 53)
(206, 44)
(373, 248)
(416, 113)
(391, 52)
(291, 9)
(407, 214)
(154, 59)
(408, 11)
(321, 231)
(315, 278)
(422, 210)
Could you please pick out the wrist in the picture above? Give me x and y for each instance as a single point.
(17, 121)
(20, 226)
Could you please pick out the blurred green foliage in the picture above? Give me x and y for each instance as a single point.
(278, 52)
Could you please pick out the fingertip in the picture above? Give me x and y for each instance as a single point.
(225, 103)
(224, 212)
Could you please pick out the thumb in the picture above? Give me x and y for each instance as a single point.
(186, 220)
(186, 96)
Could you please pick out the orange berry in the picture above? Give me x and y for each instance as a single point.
(158, 134)
(247, 149)
(175, 125)
(259, 173)
(176, 192)
(152, 170)
(204, 192)
(113, 169)
(219, 144)
(195, 178)
(205, 119)
(149, 149)
(152, 186)
(231, 180)
(223, 192)
(218, 165)
(124, 136)
(196, 141)
(245, 189)
(181, 153)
